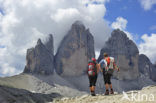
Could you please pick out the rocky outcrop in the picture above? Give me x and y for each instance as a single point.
(146, 67)
(14, 95)
(40, 60)
(74, 51)
(126, 55)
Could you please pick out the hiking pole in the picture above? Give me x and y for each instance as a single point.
(118, 84)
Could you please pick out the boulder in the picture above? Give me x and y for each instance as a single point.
(76, 48)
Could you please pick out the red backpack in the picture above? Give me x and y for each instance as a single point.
(92, 69)
(110, 62)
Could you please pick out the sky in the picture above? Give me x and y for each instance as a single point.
(22, 22)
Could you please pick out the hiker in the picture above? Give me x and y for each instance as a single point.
(93, 69)
(108, 65)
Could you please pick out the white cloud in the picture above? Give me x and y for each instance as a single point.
(10, 71)
(5, 67)
(121, 23)
(148, 46)
(1, 16)
(153, 27)
(130, 35)
(147, 4)
(27, 20)
(97, 54)
(65, 14)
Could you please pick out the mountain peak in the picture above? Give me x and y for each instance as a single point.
(125, 52)
(117, 33)
(78, 43)
(78, 25)
(39, 41)
(49, 43)
(50, 36)
(40, 59)
(78, 22)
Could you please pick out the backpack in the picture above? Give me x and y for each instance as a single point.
(92, 71)
(110, 65)
(110, 62)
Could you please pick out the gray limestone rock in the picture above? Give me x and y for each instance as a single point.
(74, 51)
(126, 55)
(40, 60)
(146, 67)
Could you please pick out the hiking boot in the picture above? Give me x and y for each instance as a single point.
(107, 92)
(111, 92)
(93, 93)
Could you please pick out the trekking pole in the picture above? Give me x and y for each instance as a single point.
(118, 80)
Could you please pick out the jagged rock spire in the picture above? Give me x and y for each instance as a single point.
(74, 51)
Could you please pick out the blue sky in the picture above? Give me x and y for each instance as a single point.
(1, 11)
(139, 20)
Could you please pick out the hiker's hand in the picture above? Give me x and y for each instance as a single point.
(118, 69)
(101, 70)
(106, 68)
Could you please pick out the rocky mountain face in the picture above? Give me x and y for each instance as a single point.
(40, 60)
(125, 53)
(74, 51)
(146, 67)
(70, 61)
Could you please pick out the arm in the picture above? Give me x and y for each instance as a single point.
(98, 68)
(115, 67)
(102, 63)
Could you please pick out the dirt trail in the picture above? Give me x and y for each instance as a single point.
(149, 92)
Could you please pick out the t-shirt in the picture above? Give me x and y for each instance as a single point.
(103, 63)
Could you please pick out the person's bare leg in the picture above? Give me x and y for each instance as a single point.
(107, 89)
(93, 88)
(111, 88)
(90, 89)
(106, 86)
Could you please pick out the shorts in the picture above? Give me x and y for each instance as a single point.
(107, 78)
(92, 80)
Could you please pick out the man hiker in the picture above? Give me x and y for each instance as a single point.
(93, 69)
(108, 65)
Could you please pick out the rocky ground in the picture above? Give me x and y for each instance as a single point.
(41, 84)
(14, 95)
(26, 88)
(146, 95)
